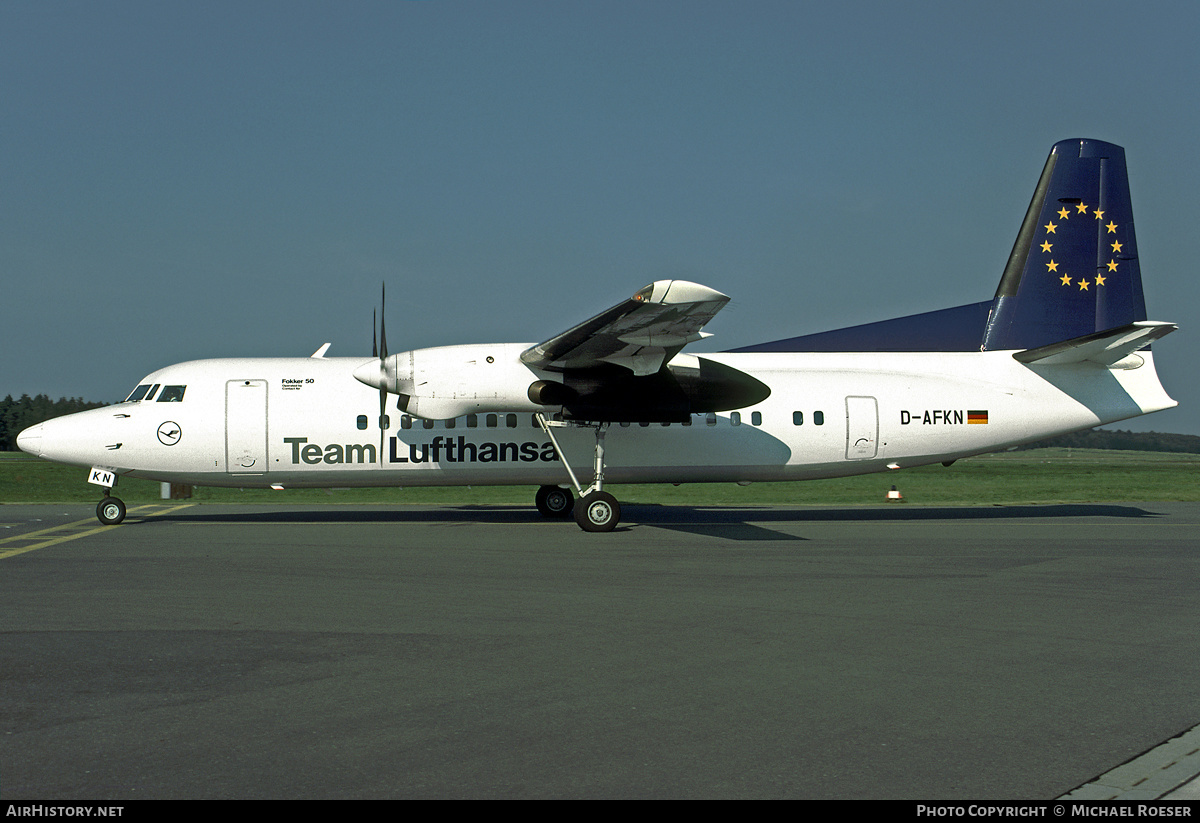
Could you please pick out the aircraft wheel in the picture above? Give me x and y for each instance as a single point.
(597, 512)
(554, 501)
(111, 511)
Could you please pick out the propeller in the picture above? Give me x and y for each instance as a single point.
(379, 372)
(381, 353)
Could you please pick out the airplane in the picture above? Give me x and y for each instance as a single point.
(1063, 345)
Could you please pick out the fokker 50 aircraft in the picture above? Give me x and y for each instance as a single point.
(1063, 345)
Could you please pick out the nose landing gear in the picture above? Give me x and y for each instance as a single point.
(111, 510)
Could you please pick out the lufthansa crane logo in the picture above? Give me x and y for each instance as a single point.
(169, 433)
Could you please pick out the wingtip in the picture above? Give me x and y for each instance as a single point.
(679, 291)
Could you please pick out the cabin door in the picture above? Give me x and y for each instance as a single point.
(246, 427)
(862, 428)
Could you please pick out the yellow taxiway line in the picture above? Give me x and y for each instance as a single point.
(31, 541)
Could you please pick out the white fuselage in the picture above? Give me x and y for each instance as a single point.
(307, 422)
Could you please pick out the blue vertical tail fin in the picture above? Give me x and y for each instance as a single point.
(1074, 268)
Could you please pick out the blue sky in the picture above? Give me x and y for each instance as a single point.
(190, 180)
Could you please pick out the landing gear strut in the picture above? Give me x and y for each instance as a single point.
(596, 510)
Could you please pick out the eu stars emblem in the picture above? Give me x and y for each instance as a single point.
(1070, 238)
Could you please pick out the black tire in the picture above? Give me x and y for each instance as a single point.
(110, 511)
(597, 512)
(555, 501)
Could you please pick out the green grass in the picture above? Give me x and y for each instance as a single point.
(1039, 476)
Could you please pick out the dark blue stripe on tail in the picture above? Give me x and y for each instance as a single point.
(957, 329)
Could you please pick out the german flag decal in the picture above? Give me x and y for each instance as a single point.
(977, 416)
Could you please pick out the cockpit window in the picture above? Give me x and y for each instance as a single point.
(138, 393)
(171, 394)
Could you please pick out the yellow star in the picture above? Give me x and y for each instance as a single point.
(1112, 265)
(1050, 227)
(1083, 284)
(1116, 246)
(1112, 227)
(1099, 279)
(1047, 246)
(1063, 213)
(1052, 266)
(1099, 214)
(1082, 208)
(1065, 279)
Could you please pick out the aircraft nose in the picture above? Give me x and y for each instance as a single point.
(30, 440)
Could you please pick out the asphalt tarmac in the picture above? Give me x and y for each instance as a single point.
(408, 652)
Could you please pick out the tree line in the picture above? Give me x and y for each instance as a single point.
(1122, 440)
(18, 415)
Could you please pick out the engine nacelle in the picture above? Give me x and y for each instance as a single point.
(450, 381)
(687, 385)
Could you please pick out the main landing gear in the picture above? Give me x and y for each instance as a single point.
(111, 510)
(554, 501)
(596, 510)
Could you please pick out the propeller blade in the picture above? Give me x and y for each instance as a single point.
(382, 355)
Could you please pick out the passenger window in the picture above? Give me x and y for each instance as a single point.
(756, 418)
(171, 394)
(472, 421)
(405, 421)
(491, 421)
(710, 419)
(735, 418)
(797, 418)
(428, 424)
(450, 423)
(510, 421)
(362, 422)
(819, 418)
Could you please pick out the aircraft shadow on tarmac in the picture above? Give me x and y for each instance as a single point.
(728, 522)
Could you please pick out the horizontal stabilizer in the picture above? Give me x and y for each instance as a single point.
(1106, 348)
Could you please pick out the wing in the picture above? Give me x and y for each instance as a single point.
(639, 334)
